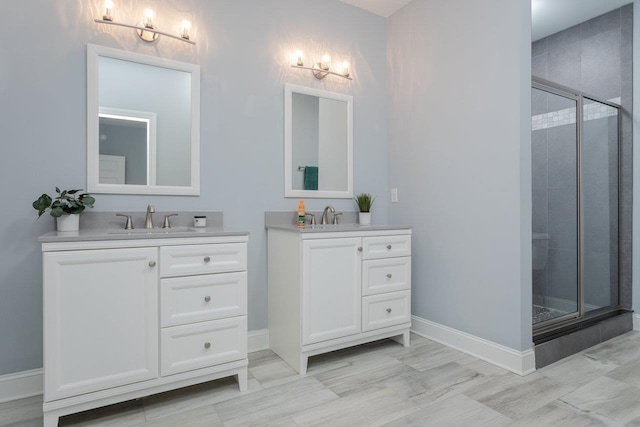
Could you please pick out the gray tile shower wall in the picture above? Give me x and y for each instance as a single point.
(594, 57)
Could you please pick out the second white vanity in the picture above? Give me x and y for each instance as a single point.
(129, 313)
(332, 287)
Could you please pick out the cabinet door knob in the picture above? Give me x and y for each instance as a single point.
(207, 259)
(207, 345)
(207, 298)
(152, 264)
(388, 310)
(389, 247)
(389, 275)
(360, 249)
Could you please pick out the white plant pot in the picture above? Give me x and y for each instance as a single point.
(68, 222)
(365, 218)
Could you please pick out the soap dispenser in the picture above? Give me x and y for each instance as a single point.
(301, 214)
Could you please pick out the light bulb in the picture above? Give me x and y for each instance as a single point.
(299, 62)
(148, 18)
(108, 10)
(326, 61)
(345, 69)
(186, 28)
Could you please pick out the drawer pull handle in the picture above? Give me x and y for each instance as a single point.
(207, 298)
(207, 345)
(152, 264)
(360, 249)
(389, 247)
(389, 275)
(388, 310)
(207, 259)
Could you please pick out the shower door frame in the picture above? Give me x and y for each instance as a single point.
(579, 97)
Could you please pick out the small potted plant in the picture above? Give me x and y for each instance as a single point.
(364, 202)
(66, 207)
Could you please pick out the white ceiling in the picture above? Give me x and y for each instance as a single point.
(384, 8)
(547, 16)
(550, 16)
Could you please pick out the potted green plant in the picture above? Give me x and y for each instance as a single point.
(364, 202)
(66, 207)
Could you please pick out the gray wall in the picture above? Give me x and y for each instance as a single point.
(594, 57)
(460, 157)
(243, 48)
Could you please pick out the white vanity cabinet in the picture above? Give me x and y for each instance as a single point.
(330, 290)
(125, 319)
(331, 294)
(100, 319)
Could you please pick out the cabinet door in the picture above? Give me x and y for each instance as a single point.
(331, 290)
(100, 319)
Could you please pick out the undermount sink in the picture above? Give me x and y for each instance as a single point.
(154, 230)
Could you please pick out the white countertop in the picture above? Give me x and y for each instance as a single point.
(331, 228)
(137, 234)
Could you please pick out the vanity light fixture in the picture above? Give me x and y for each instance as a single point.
(108, 10)
(323, 68)
(185, 30)
(146, 29)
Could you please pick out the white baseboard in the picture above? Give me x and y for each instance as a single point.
(29, 383)
(258, 340)
(636, 322)
(20, 385)
(519, 362)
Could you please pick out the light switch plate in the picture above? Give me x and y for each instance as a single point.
(394, 195)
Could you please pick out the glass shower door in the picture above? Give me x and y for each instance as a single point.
(600, 174)
(555, 244)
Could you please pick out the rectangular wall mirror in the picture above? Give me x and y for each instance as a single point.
(143, 124)
(318, 143)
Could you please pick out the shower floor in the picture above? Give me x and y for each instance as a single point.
(542, 314)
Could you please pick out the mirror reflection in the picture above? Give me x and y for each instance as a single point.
(318, 143)
(127, 143)
(143, 124)
(131, 97)
(319, 131)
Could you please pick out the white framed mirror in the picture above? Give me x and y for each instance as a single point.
(143, 124)
(318, 154)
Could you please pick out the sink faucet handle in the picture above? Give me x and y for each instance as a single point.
(151, 208)
(335, 217)
(166, 223)
(313, 218)
(129, 225)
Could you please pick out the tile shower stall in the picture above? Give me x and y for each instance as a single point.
(576, 185)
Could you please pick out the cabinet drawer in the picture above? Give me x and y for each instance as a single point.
(386, 246)
(202, 259)
(200, 298)
(189, 347)
(380, 276)
(380, 311)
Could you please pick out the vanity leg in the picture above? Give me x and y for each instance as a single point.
(50, 419)
(402, 339)
(242, 379)
(304, 361)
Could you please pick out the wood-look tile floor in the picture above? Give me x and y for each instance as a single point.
(383, 383)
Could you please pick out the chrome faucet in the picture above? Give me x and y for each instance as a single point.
(150, 211)
(324, 220)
